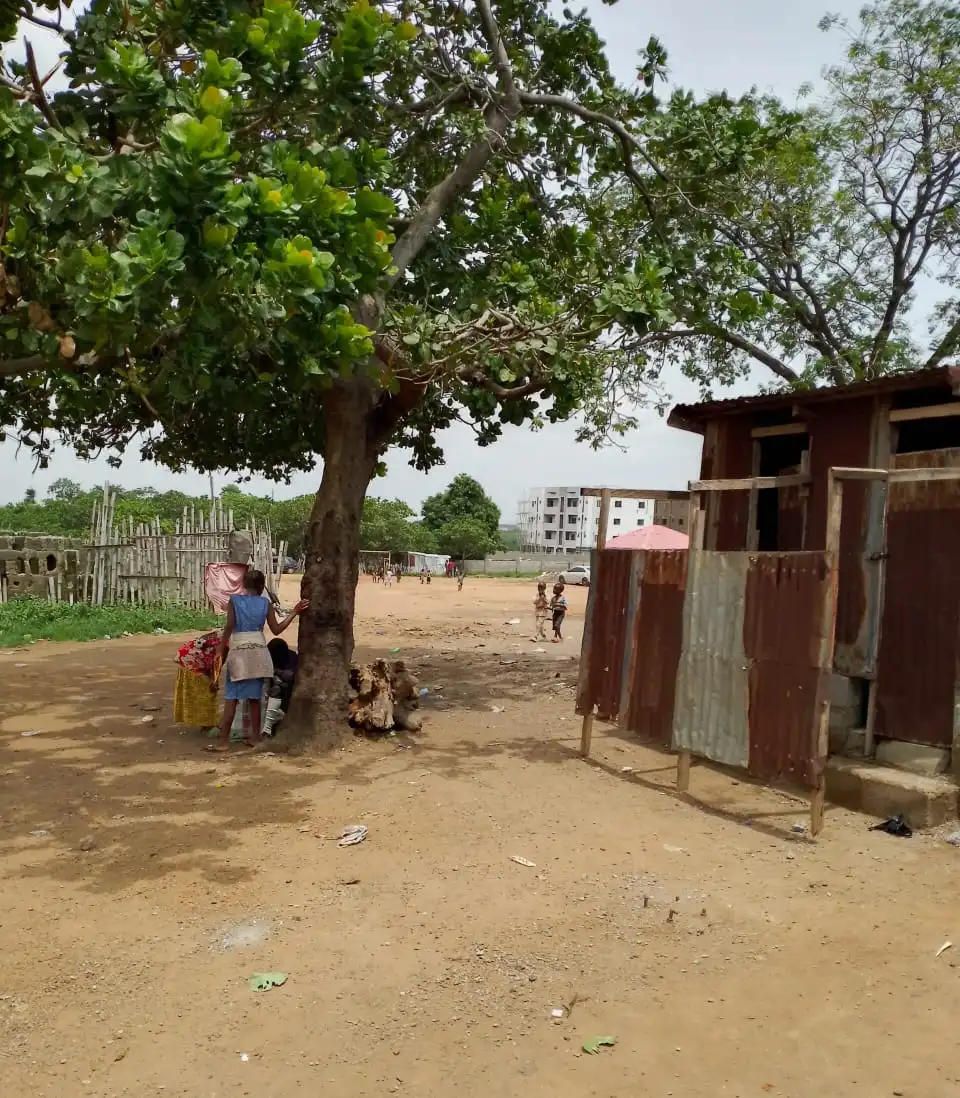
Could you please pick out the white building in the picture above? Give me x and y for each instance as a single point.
(563, 520)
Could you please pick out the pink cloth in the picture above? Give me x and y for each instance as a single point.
(650, 537)
(221, 581)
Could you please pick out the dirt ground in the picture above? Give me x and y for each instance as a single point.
(727, 955)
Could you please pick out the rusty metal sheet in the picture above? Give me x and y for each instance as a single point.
(784, 622)
(841, 434)
(692, 416)
(710, 710)
(604, 635)
(652, 652)
(917, 669)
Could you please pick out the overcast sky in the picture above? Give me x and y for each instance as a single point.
(738, 44)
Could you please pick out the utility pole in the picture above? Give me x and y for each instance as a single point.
(212, 494)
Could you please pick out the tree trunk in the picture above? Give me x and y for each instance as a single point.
(318, 709)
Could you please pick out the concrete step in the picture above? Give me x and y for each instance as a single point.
(882, 791)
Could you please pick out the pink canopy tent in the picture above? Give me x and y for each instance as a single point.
(650, 537)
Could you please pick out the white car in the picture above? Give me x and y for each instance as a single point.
(577, 576)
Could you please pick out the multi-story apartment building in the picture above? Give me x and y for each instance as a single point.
(563, 520)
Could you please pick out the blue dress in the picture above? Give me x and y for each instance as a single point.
(250, 612)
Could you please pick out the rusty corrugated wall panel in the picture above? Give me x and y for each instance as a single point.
(782, 638)
(918, 643)
(710, 709)
(841, 434)
(652, 652)
(601, 657)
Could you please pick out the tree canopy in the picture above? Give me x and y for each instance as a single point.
(67, 509)
(796, 239)
(234, 205)
(464, 497)
(388, 525)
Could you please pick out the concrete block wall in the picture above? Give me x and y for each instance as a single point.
(29, 563)
(517, 565)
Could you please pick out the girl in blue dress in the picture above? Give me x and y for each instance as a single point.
(245, 654)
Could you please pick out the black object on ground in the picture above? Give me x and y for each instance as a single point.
(896, 825)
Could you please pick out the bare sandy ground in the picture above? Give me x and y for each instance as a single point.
(726, 955)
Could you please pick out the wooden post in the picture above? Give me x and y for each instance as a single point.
(753, 533)
(684, 762)
(586, 729)
(698, 527)
(821, 732)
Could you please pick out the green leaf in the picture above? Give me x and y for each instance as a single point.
(593, 1044)
(264, 981)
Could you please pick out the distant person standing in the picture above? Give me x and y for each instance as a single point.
(541, 611)
(558, 607)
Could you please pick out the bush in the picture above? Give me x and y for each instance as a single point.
(29, 620)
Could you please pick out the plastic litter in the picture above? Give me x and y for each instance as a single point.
(353, 834)
(954, 839)
(30, 733)
(944, 948)
(423, 691)
(523, 861)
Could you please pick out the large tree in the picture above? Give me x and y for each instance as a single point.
(254, 232)
(463, 498)
(796, 239)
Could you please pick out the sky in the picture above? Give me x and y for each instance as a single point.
(775, 46)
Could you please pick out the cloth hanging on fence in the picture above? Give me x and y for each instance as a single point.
(221, 581)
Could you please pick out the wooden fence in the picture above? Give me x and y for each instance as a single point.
(127, 562)
(141, 563)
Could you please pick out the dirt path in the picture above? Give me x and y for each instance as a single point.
(425, 961)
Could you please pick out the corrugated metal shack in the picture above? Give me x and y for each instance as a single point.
(898, 603)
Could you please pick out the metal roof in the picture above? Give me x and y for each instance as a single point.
(693, 417)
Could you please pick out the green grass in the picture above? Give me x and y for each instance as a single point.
(28, 620)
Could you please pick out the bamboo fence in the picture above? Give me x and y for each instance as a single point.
(141, 563)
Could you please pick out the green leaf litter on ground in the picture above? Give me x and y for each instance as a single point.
(593, 1045)
(263, 981)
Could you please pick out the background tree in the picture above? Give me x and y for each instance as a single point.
(387, 525)
(465, 537)
(251, 233)
(464, 498)
(796, 239)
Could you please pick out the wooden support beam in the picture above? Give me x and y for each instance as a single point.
(933, 411)
(636, 493)
(916, 476)
(842, 472)
(586, 729)
(698, 529)
(744, 484)
(781, 429)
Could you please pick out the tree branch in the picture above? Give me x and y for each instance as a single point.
(768, 360)
(498, 119)
(41, 96)
(32, 364)
(946, 347)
